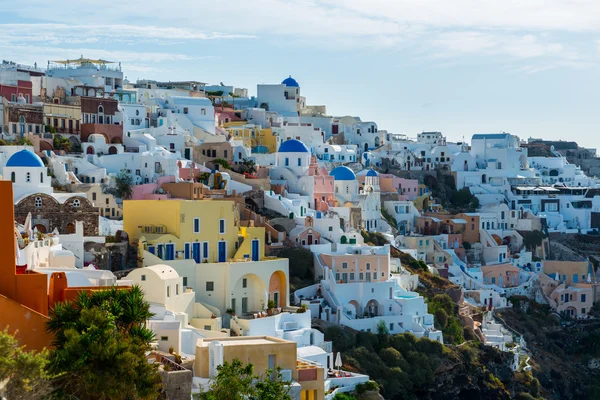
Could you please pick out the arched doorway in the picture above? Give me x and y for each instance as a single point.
(356, 306)
(112, 150)
(40, 228)
(70, 228)
(277, 288)
(90, 150)
(344, 239)
(483, 178)
(249, 295)
(372, 308)
(116, 140)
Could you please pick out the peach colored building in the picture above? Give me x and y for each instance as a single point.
(575, 300)
(349, 268)
(407, 189)
(502, 275)
(570, 271)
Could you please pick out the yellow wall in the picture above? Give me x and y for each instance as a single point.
(268, 139)
(248, 352)
(250, 233)
(178, 218)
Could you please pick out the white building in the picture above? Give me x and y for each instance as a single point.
(284, 99)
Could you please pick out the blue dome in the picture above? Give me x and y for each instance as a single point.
(372, 173)
(293, 146)
(290, 82)
(24, 158)
(343, 174)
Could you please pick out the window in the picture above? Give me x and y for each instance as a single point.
(168, 291)
(368, 266)
(337, 276)
(107, 200)
(100, 109)
(13, 97)
(221, 226)
(177, 289)
(28, 177)
(185, 110)
(184, 281)
(143, 277)
(351, 276)
(344, 265)
(196, 225)
(287, 162)
(12, 177)
(331, 229)
(583, 311)
(383, 274)
(583, 298)
(164, 338)
(210, 286)
(244, 282)
(94, 196)
(299, 162)
(41, 177)
(374, 275)
(38, 202)
(203, 111)
(76, 203)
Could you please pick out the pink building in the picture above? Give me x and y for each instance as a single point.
(150, 191)
(407, 189)
(193, 170)
(350, 268)
(323, 186)
(575, 300)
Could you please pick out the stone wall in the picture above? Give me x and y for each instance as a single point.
(53, 215)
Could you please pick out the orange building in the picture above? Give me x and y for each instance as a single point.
(25, 296)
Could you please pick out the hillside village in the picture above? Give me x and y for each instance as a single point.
(262, 229)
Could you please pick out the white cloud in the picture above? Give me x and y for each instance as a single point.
(518, 29)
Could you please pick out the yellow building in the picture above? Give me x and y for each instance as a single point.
(64, 118)
(253, 135)
(206, 231)
(264, 353)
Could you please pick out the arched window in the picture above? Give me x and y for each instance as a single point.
(76, 203)
(12, 177)
(38, 202)
(28, 177)
(100, 109)
(22, 125)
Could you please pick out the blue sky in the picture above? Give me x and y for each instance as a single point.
(528, 67)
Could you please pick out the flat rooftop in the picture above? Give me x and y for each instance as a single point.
(242, 341)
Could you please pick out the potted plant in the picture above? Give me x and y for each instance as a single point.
(230, 311)
(270, 307)
(213, 316)
(302, 309)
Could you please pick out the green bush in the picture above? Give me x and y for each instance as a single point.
(342, 340)
(366, 387)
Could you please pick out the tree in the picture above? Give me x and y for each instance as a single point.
(533, 239)
(123, 186)
(223, 163)
(235, 381)
(23, 374)
(61, 143)
(100, 346)
(247, 166)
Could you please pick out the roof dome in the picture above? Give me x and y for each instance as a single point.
(290, 82)
(343, 174)
(372, 173)
(293, 146)
(24, 158)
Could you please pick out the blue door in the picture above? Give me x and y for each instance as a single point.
(186, 251)
(255, 250)
(170, 251)
(222, 251)
(151, 249)
(196, 251)
(160, 251)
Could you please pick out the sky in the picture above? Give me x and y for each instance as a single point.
(528, 67)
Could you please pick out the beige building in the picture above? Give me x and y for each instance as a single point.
(265, 353)
(109, 208)
(64, 118)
